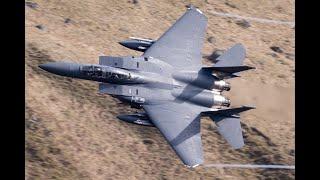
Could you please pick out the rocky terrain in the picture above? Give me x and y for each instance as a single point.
(72, 131)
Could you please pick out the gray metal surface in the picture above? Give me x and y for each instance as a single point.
(179, 123)
(180, 46)
(232, 57)
(230, 129)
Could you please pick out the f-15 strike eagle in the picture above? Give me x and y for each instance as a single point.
(172, 87)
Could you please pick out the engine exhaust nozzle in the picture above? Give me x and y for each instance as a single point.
(220, 100)
(221, 85)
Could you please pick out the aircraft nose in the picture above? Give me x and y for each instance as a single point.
(61, 68)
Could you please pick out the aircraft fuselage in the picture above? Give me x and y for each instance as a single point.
(122, 81)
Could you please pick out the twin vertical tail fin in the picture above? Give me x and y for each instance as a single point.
(230, 63)
(228, 123)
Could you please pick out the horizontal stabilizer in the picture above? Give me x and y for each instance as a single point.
(230, 129)
(229, 63)
(228, 123)
(228, 112)
(228, 69)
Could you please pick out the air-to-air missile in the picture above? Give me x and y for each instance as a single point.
(138, 44)
(137, 118)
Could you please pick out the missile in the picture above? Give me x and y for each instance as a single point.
(138, 44)
(138, 118)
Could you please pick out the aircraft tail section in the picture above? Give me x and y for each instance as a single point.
(232, 57)
(228, 111)
(228, 124)
(230, 62)
(230, 129)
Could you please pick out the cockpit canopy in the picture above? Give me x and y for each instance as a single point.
(99, 72)
(92, 71)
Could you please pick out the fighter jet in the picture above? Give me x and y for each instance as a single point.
(171, 87)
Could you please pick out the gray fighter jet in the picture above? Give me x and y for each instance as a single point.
(171, 87)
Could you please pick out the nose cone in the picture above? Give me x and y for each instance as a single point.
(61, 68)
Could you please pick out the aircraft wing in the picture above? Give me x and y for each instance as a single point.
(180, 46)
(179, 123)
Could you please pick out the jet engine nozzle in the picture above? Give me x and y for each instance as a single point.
(227, 102)
(221, 85)
(220, 100)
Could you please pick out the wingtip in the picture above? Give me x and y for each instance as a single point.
(194, 163)
(190, 7)
(193, 166)
(237, 146)
(239, 44)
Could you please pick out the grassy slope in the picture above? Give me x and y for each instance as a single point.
(72, 132)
